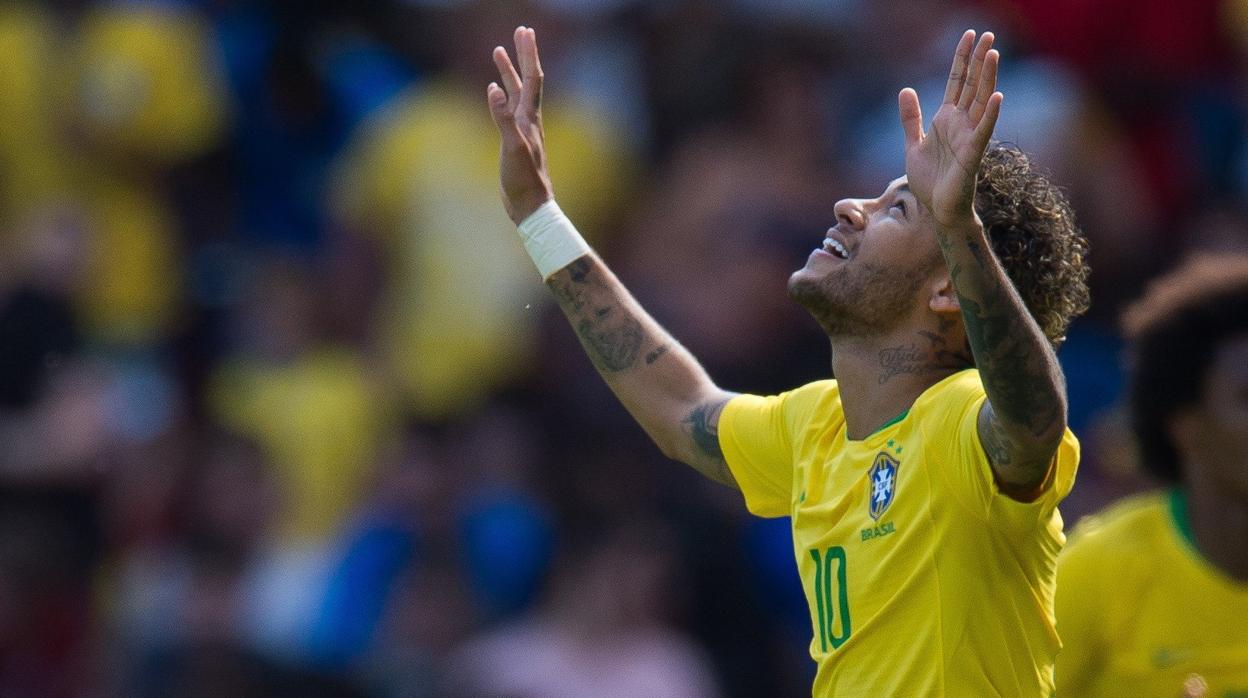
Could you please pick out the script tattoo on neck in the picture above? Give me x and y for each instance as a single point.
(936, 356)
(904, 359)
(612, 339)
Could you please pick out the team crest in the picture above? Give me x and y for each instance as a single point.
(883, 475)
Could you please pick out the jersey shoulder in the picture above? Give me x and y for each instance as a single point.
(787, 416)
(951, 396)
(1124, 528)
(820, 391)
(814, 403)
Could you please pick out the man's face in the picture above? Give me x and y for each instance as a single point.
(1220, 440)
(869, 273)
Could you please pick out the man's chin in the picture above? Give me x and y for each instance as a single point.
(797, 280)
(806, 281)
(804, 287)
(809, 289)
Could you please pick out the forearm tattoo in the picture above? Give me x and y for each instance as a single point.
(1018, 369)
(612, 338)
(1016, 364)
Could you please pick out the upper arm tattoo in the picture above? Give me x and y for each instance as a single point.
(992, 436)
(702, 425)
(1007, 466)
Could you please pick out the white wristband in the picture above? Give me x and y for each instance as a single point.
(551, 239)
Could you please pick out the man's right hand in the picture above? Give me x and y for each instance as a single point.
(517, 113)
(657, 380)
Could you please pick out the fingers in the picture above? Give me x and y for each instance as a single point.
(983, 130)
(504, 116)
(911, 116)
(957, 74)
(520, 90)
(971, 88)
(987, 86)
(526, 52)
(530, 71)
(511, 81)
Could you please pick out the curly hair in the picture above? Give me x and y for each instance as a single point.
(1032, 230)
(1175, 331)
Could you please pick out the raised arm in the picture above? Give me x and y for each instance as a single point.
(659, 382)
(1022, 422)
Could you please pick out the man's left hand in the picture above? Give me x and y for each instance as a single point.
(941, 165)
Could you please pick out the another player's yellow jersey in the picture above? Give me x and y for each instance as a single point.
(922, 578)
(1140, 611)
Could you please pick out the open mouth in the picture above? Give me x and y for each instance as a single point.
(835, 248)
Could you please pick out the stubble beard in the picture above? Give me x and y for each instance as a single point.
(861, 301)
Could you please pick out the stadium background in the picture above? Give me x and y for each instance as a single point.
(284, 408)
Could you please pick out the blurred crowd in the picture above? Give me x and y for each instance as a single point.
(284, 408)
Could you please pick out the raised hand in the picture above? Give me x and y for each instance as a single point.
(941, 165)
(517, 112)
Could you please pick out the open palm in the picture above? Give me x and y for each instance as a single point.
(517, 112)
(941, 165)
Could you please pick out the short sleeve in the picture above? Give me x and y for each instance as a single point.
(757, 445)
(970, 474)
(1062, 480)
(954, 436)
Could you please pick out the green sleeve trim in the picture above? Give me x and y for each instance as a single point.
(891, 422)
(1178, 513)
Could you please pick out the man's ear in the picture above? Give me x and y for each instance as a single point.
(944, 298)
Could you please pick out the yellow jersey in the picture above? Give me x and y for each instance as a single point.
(922, 578)
(1141, 612)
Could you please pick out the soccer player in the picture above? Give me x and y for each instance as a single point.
(923, 482)
(1152, 595)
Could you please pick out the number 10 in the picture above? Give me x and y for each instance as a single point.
(823, 596)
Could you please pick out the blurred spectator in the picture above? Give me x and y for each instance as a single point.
(455, 324)
(177, 591)
(105, 111)
(739, 203)
(603, 630)
(315, 406)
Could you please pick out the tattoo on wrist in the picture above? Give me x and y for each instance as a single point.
(579, 270)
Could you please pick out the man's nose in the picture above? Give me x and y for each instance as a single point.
(849, 212)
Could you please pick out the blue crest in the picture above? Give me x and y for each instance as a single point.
(883, 479)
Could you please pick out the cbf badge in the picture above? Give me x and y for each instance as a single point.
(883, 476)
